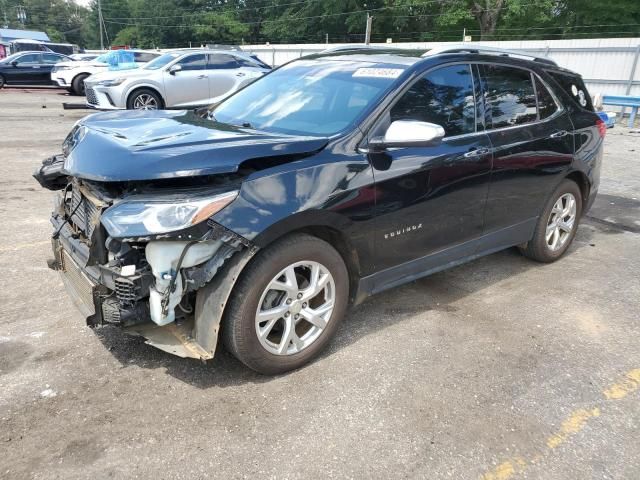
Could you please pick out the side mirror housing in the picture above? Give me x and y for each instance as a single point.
(408, 133)
(14, 63)
(174, 68)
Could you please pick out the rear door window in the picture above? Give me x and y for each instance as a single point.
(51, 58)
(218, 61)
(444, 97)
(509, 96)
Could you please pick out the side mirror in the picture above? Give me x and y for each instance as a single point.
(14, 63)
(408, 133)
(174, 68)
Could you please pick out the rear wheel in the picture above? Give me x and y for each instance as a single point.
(558, 224)
(287, 305)
(144, 99)
(2, 81)
(77, 85)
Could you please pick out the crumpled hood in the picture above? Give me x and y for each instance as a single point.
(147, 145)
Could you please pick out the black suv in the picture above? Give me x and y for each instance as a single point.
(332, 178)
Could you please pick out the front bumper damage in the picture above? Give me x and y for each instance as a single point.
(147, 297)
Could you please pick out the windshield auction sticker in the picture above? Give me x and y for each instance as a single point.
(378, 72)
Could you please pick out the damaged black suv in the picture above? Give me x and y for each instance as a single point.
(334, 177)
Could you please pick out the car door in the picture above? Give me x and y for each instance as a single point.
(188, 85)
(532, 140)
(225, 74)
(27, 70)
(431, 199)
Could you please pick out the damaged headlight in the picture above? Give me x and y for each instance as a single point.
(139, 218)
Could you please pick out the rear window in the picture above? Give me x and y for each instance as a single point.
(575, 88)
(547, 105)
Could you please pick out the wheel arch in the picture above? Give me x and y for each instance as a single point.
(583, 183)
(324, 225)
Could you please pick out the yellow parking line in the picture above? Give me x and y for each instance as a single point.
(570, 426)
(630, 384)
(21, 246)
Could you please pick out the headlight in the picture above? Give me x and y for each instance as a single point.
(111, 83)
(139, 218)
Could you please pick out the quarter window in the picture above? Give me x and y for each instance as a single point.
(444, 97)
(510, 97)
(193, 62)
(546, 104)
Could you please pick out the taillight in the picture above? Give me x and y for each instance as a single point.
(602, 127)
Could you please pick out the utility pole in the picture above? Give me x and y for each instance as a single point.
(100, 21)
(367, 35)
(326, 37)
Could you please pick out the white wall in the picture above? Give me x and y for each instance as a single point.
(604, 63)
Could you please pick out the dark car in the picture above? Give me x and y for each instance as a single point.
(29, 68)
(332, 178)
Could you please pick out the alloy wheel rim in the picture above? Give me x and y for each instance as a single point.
(145, 101)
(561, 222)
(295, 308)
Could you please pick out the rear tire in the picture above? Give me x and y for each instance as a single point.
(77, 85)
(265, 324)
(557, 226)
(2, 81)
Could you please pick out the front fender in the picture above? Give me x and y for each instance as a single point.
(340, 195)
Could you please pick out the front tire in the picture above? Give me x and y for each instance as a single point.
(144, 99)
(557, 226)
(2, 81)
(287, 305)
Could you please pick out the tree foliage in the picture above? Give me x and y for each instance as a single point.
(174, 23)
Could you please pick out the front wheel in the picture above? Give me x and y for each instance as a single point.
(2, 81)
(144, 99)
(557, 225)
(287, 305)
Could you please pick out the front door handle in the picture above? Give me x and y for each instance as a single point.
(201, 76)
(476, 152)
(559, 134)
(240, 74)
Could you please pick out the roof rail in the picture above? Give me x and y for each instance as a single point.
(355, 46)
(461, 48)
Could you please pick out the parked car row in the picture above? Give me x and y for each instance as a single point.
(138, 79)
(182, 78)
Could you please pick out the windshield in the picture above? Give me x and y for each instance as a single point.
(161, 61)
(308, 97)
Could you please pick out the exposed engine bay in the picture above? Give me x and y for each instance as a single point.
(147, 283)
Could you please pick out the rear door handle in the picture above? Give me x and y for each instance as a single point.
(201, 76)
(239, 74)
(476, 152)
(559, 134)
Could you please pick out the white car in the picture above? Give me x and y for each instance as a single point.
(71, 75)
(183, 78)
